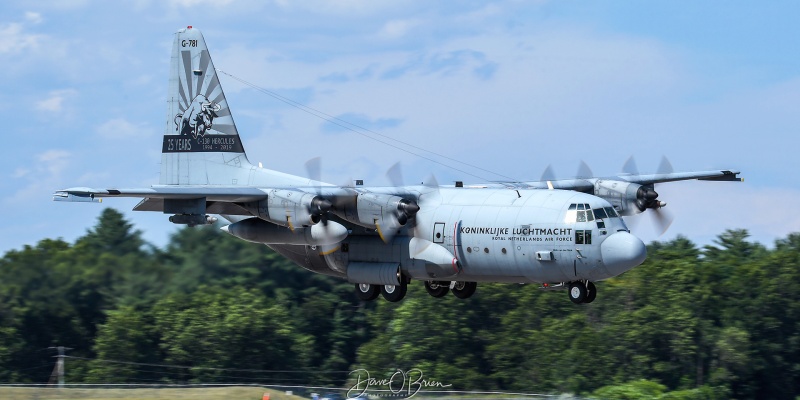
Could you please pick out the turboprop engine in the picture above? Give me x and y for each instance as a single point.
(628, 198)
(290, 208)
(259, 231)
(383, 212)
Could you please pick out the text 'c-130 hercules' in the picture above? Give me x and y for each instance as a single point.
(561, 234)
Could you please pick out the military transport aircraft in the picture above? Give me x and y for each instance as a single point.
(563, 234)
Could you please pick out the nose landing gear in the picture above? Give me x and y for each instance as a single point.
(581, 292)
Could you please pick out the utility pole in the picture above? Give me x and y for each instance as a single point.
(59, 369)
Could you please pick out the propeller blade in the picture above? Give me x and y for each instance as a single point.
(326, 249)
(387, 228)
(395, 175)
(665, 167)
(314, 171)
(548, 174)
(314, 168)
(584, 171)
(633, 222)
(662, 220)
(630, 167)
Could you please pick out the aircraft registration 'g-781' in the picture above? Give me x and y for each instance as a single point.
(558, 233)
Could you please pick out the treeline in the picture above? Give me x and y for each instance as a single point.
(720, 321)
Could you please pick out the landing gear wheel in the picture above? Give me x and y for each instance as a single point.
(463, 290)
(394, 293)
(436, 288)
(367, 292)
(591, 293)
(577, 292)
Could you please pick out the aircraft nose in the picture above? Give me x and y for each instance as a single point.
(621, 252)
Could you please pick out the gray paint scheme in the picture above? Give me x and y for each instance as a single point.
(515, 232)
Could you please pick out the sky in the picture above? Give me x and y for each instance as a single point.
(510, 87)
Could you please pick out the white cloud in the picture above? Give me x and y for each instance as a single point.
(53, 161)
(55, 100)
(398, 28)
(33, 17)
(39, 176)
(120, 128)
(14, 39)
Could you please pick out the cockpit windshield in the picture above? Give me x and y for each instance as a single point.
(585, 213)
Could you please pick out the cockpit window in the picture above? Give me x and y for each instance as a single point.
(600, 213)
(611, 212)
(583, 213)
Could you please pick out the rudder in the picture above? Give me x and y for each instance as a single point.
(201, 145)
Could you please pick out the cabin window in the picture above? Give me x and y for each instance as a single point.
(583, 236)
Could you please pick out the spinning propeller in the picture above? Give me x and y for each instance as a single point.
(647, 197)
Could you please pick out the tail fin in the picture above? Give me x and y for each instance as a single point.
(201, 144)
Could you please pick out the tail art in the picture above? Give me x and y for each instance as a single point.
(201, 145)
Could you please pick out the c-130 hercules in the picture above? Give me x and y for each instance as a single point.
(558, 233)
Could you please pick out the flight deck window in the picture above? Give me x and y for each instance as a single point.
(581, 216)
(580, 207)
(589, 215)
(611, 212)
(600, 213)
(571, 214)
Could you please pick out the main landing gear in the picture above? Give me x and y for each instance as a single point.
(582, 292)
(462, 290)
(395, 293)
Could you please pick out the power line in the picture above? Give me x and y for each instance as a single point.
(358, 129)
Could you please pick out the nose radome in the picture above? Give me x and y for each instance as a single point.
(621, 252)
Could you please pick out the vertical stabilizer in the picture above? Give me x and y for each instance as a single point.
(201, 144)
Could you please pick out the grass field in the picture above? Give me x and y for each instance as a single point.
(214, 393)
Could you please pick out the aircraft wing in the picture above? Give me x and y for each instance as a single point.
(714, 175)
(587, 184)
(211, 193)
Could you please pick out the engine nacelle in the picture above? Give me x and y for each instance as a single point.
(257, 230)
(377, 211)
(290, 208)
(626, 197)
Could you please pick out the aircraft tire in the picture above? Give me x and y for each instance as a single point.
(437, 289)
(577, 292)
(394, 293)
(464, 290)
(591, 293)
(367, 292)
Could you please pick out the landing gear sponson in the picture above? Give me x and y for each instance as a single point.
(395, 293)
